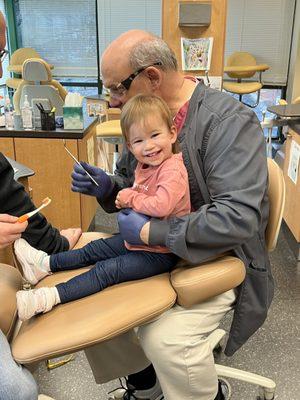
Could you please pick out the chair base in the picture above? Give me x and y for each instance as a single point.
(251, 105)
(266, 386)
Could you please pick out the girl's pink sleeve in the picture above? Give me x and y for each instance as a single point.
(170, 191)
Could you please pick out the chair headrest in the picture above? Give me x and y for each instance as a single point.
(36, 69)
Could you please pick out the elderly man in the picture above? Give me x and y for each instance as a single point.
(224, 153)
(16, 383)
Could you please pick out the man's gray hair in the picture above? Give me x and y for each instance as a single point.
(151, 51)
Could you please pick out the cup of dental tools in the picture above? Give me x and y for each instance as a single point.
(47, 118)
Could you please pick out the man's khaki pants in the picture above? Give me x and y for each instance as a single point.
(176, 344)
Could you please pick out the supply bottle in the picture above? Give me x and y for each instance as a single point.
(8, 113)
(26, 113)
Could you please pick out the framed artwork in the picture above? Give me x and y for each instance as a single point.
(196, 53)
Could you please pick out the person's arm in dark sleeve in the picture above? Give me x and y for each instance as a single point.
(236, 176)
(15, 201)
(123, 178)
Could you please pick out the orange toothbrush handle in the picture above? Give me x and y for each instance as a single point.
(23, 218)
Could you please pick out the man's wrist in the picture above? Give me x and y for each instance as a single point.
(144, 234)
(159, 230)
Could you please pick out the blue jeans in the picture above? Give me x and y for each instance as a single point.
(16, 382)
(113, 264)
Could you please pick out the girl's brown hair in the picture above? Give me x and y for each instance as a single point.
(139, 107)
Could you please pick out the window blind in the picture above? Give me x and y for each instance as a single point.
(63, 32)
(118, 16)
(264, 29)
(5, 63)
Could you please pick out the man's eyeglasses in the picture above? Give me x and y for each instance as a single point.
(3, 54)
(124, 85)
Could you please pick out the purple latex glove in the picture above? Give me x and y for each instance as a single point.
(82, 183)
(130, 224)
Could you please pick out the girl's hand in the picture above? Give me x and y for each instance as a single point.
(120, 201)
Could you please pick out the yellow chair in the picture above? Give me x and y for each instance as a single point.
(242, 65)
(109, 131)
(283, 102)
(16, 64)
(130, 304)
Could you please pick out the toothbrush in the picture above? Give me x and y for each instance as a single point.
(25, 217)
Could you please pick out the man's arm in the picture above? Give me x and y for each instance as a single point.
(236, 177)
(15, 201)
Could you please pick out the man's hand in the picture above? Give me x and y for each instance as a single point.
(10, 229)
(83, 184)
(132, 226)
(72, 235)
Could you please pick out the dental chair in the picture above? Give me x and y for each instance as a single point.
(242, 65)
(37, 84)
(15, 65)
(77, 325)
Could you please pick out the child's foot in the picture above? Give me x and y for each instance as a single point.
(32, 302)
(35, 263)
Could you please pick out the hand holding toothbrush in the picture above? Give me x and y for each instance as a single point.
(9, 230)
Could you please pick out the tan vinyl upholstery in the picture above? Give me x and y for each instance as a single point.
(196, 284)
(277, 200)
(283, 102)
(82, 323)
(239, 66)
(10, 283)
(109, 129)
(13, 83)
(19, 56)
(38, 83)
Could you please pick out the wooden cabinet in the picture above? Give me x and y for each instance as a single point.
(46, 156)
(292, 203)
(7, 147)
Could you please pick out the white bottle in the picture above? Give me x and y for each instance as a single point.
(26, 113)
(8, 113)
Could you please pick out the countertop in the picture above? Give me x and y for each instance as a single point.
(59, 133)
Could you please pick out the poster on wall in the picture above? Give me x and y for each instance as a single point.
(293, 167)
(196, 54)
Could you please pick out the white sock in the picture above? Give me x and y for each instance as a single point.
(57, 298)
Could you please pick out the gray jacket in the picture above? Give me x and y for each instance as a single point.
(224, 153)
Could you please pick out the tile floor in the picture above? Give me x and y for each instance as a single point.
(273, 351)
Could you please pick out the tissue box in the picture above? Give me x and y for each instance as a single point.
(73, 117)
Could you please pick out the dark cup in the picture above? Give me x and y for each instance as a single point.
(48, 121)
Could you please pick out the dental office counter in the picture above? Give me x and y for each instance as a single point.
(44, 153)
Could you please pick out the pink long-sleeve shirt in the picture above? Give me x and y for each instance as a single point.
(161, 192)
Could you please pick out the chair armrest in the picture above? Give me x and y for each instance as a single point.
(199, 283)
(247, 68)
(10, 283)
